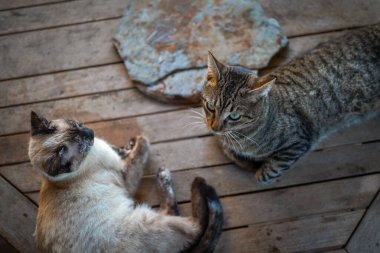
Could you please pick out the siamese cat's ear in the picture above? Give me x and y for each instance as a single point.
(39, 125)
(214, 69)
(263, 85)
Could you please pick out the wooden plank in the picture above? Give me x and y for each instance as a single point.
(6, 247)
(59, 14)
(310, 16)
(17, 218)
(11, 4)
(110, 105)
(367, 237)
(230, 180)
(82, 46)
(307, 234)
(64, 84)
(293, 202)
(58, 49)
(106, 78)
(295, 17)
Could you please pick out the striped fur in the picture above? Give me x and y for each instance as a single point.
(285, 113)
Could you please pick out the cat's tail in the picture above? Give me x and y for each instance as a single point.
(207, 209)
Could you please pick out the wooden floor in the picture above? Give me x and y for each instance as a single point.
(57, 58)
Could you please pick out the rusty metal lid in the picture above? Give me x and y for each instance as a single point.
(164, 43)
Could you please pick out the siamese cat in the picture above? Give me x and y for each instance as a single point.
(86, 200)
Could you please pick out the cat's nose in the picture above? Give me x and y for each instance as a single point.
(87, 133)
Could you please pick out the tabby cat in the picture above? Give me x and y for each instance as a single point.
(86, 200)
(267, 123)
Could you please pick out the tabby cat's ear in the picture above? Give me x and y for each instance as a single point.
(39, 125)
(214, 69)
(263, 85)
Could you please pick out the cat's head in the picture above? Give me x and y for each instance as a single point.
(58, 147)
(234, 97)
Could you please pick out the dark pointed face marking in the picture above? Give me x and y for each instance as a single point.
(59, 145)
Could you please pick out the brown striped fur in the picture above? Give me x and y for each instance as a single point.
(267, 123)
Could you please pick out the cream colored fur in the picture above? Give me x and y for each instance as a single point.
(92, 210)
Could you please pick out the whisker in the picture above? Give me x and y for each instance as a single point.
(231, 141)
(236, 139)
(250, 139)
(195, 117)
(198, 113)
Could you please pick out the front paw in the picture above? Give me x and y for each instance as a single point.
(267, 175)
(140, 148)
(164, 179)
(123, 152)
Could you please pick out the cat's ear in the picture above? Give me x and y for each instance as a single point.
(263, 85)
(214, 69)
(39, 125)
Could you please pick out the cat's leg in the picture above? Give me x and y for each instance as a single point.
(135, 162)
(273, 166)
(168, 200)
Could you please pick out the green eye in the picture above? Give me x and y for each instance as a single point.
(234, 116)
(210, 107)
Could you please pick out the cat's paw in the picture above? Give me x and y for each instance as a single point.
(139, 149)
(139, 144)
(165, 184)
(123, 152)
(267, 176)
(164, 179)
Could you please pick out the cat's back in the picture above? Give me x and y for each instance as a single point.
(337, 77)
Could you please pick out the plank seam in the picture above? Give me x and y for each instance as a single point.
(59, 26)
(68, 97)
(10, 183)
(361, 219)
(61, 71)
(36, 5)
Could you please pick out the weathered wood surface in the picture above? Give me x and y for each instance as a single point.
(336, 251)
(312, 233)
(90, 45)
(6, 247)
(367, 236)
(11, 4)
(64, 13)
(17, 218)
(64, 84)
(337, 16)
(309, 16)
(293, 202)
(77, 46)
(320, 217)
(97, 107)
